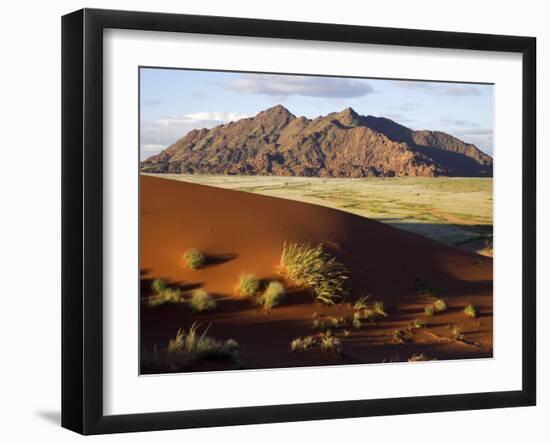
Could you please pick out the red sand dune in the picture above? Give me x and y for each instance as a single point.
(245, 232)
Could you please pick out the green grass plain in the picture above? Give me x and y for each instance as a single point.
(457, 211)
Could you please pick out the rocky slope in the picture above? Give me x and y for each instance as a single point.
(343, 144)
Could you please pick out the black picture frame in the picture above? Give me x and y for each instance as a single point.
(82, 218)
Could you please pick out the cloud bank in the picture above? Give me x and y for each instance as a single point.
(158, 134)
(452, 89)
(284, 86)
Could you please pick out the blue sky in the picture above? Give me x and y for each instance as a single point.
(175, 101)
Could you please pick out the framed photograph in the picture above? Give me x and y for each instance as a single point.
(269, 221)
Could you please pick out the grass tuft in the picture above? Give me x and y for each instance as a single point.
(162, 294)
(191, 346)
(302, 343)
(330, 343)
(379, 309)
(158, 285)
(313, 268)
(200, 300)
(429, 311)
(418, 357)
(440, 305)
(194, 259)
(248, 284)
(361, 303)
(273, 295)
(470, 311)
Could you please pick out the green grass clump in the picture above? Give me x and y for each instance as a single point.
(429, 310)
(440, 305)
(273, 295)
(379, 309)
(457, 333)
(200, 300)
(418, 357)
(194, 259)
(361, 303)
(248, 285)
(417, 323)
(330, 343)
(158, 285)
(162, 294)
(470, 311)
(302, 343)
(191, 346)
(313, 268)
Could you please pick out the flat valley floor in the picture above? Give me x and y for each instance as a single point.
(406, 242)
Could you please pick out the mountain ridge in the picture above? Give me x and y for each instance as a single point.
(339, 144)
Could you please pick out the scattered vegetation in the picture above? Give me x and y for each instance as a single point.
(191, 346)
(272, 296)
(429, 310)
(361, 303)
(330, 343)
(158, 285)
(200, 300)
(379, 309)
(162, 294)
(248, 284)
(325, 342)
(301, 344)
(457, 333)
(313, 268)
(470, 311)
(418, 357)
(440, 305)
(417, 323)
(194, 259)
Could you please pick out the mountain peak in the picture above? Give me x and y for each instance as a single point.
(277, 110)
(349, 111)
(348, 117)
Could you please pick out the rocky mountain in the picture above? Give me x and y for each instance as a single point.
(342, 144)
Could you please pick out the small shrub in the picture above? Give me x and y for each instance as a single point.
(379, 309)
(330, 343)
(301, 344)
(190, 346)
(470, 311)
(369, 315)
(248, 284)
(346, 333)
(429, 311)
(361, 303)
(158, 285)
(457, 333)
(201, 300)
(313, 268)
(357, 323)
(418, 357)
(440, 305)
(194, 259)
(273, 295)
(318, 324)
(164, 296)
(417, 323)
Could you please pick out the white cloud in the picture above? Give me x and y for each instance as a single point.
(454, 89)
(458, 122)
(287, 85)
(158, 134)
